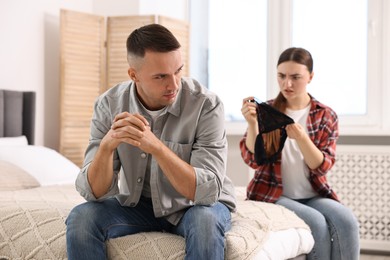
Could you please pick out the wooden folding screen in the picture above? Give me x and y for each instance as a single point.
(93, 59)
(82, 77)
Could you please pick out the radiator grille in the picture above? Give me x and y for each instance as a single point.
(361, 178)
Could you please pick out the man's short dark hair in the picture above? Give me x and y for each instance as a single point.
(151, 37)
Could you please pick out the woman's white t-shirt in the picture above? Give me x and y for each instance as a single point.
(295, 173)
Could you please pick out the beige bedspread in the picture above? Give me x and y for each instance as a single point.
(32, 226)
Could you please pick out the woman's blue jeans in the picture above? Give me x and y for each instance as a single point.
(334, 227)
(90, 224)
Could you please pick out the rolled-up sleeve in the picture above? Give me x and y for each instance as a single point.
(100, 125)
(247, 156)
(325, 139)
(209, 153)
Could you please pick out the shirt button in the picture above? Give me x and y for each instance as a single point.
(139, 180)
(143, 155)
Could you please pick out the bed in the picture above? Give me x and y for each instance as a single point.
(37, 192)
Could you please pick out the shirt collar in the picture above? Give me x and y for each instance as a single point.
(135, 105)
(315, 104)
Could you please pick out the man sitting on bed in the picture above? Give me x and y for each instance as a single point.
(167, 135)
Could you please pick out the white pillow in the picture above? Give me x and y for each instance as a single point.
(18, 140)
(44, 164)
(14, 178)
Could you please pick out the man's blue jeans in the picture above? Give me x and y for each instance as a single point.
(334, 227)
(90, 224)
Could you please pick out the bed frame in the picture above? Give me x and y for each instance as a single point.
(17, 114)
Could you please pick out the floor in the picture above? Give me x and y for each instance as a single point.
(374, 257)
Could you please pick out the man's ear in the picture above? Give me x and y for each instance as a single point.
(132, 74)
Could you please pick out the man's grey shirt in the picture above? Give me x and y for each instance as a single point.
(193, 127)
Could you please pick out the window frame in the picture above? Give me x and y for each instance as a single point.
(279, 37)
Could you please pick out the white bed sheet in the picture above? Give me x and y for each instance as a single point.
(300, 242)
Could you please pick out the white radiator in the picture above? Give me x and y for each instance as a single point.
(361, 178)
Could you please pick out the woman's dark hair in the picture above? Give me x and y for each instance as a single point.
(152, 37)
(298, 55)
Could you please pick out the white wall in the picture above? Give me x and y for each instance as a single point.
(173, 8)
(29, 51)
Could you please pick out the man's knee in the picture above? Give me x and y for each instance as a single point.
(82, 215)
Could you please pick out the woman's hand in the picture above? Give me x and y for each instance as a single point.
(295, 131)
(248, 110)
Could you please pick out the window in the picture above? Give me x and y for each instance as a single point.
(339, 49)
(237, 52)
(347, 38)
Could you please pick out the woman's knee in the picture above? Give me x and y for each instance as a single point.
(317, 222)
(344, 221)
(341, 220)
(338, 215)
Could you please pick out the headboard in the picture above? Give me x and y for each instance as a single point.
(17, 114)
